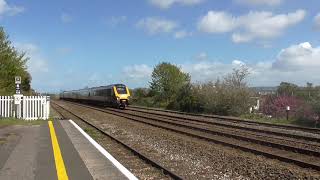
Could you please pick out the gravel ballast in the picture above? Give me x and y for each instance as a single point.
(190, 157)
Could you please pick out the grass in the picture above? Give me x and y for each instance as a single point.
(2, 140)
(12, 121)
(95, 134)
(281, 121)
(260, 118)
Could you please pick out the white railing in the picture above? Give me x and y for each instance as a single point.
(7, 106)
(26, 107)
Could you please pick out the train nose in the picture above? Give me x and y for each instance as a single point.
(123, 103)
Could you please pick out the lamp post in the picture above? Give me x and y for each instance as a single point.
(288, 109)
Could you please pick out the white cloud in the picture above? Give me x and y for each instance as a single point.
(204, 71)
(138, 72)
(298, 57)
(317, 21)
(182, 34)
(260, 2)
(10, 10)
(165, 4)
(237, 63)
(217, 22)
(116, 20)
(298, 64)
(265, 25)
(66, 18)
(155, 25)
(254, 25)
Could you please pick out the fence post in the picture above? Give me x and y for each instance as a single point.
(1, 107)
(40, 107)
(26, 107)
(36, 107)
(32, 107)
(23, 107)
(5, 106)
(29, 108)
(48, 107)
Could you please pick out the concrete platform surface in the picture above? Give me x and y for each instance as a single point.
(30, 152)
(98, 165)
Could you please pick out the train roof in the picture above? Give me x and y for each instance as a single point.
(95, 88)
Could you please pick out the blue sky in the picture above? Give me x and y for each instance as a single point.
(73, 44)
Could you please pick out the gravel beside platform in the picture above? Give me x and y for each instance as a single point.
(190, 157)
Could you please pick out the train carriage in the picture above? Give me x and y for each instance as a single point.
(115, 95)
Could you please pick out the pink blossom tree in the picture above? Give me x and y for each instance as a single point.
(276, 107)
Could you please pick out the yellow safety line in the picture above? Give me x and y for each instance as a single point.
(61, 170)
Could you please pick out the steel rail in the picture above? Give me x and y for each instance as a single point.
(234, 145)
(135, 151)
(234, 119)
(315, 139)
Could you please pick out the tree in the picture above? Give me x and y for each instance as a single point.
(237, 78)
(229, 96)
(287, 89)
(235, 93)
(12, 63)
(189, 99)
(315, 103)
(141, 96)
(276, 106)
(167, 80)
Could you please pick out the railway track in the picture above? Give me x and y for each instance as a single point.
(274, 131)
(284, 141)
(226, 119)
(278, 148)
(149, 161)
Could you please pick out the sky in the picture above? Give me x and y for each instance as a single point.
(75, 43)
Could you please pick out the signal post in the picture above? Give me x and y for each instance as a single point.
(17, 97)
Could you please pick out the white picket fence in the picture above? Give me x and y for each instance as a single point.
(30, 107)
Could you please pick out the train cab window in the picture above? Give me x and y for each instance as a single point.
(121, 89)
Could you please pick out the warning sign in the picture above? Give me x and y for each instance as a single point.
(17, 99)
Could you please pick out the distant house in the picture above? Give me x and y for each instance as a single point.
(263, 91)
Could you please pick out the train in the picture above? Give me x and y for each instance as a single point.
(114, 95)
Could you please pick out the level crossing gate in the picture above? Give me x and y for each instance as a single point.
(25, 107)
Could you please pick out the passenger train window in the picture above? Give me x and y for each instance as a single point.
(121, 90)
(101, 92)
(108, 92)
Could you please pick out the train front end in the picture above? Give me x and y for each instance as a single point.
(122, 95)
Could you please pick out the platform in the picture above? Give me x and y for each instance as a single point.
(56, 149)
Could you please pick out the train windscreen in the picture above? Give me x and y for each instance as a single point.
(121, 89)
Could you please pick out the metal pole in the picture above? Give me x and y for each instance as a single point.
(288, 109)
(18, 92)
